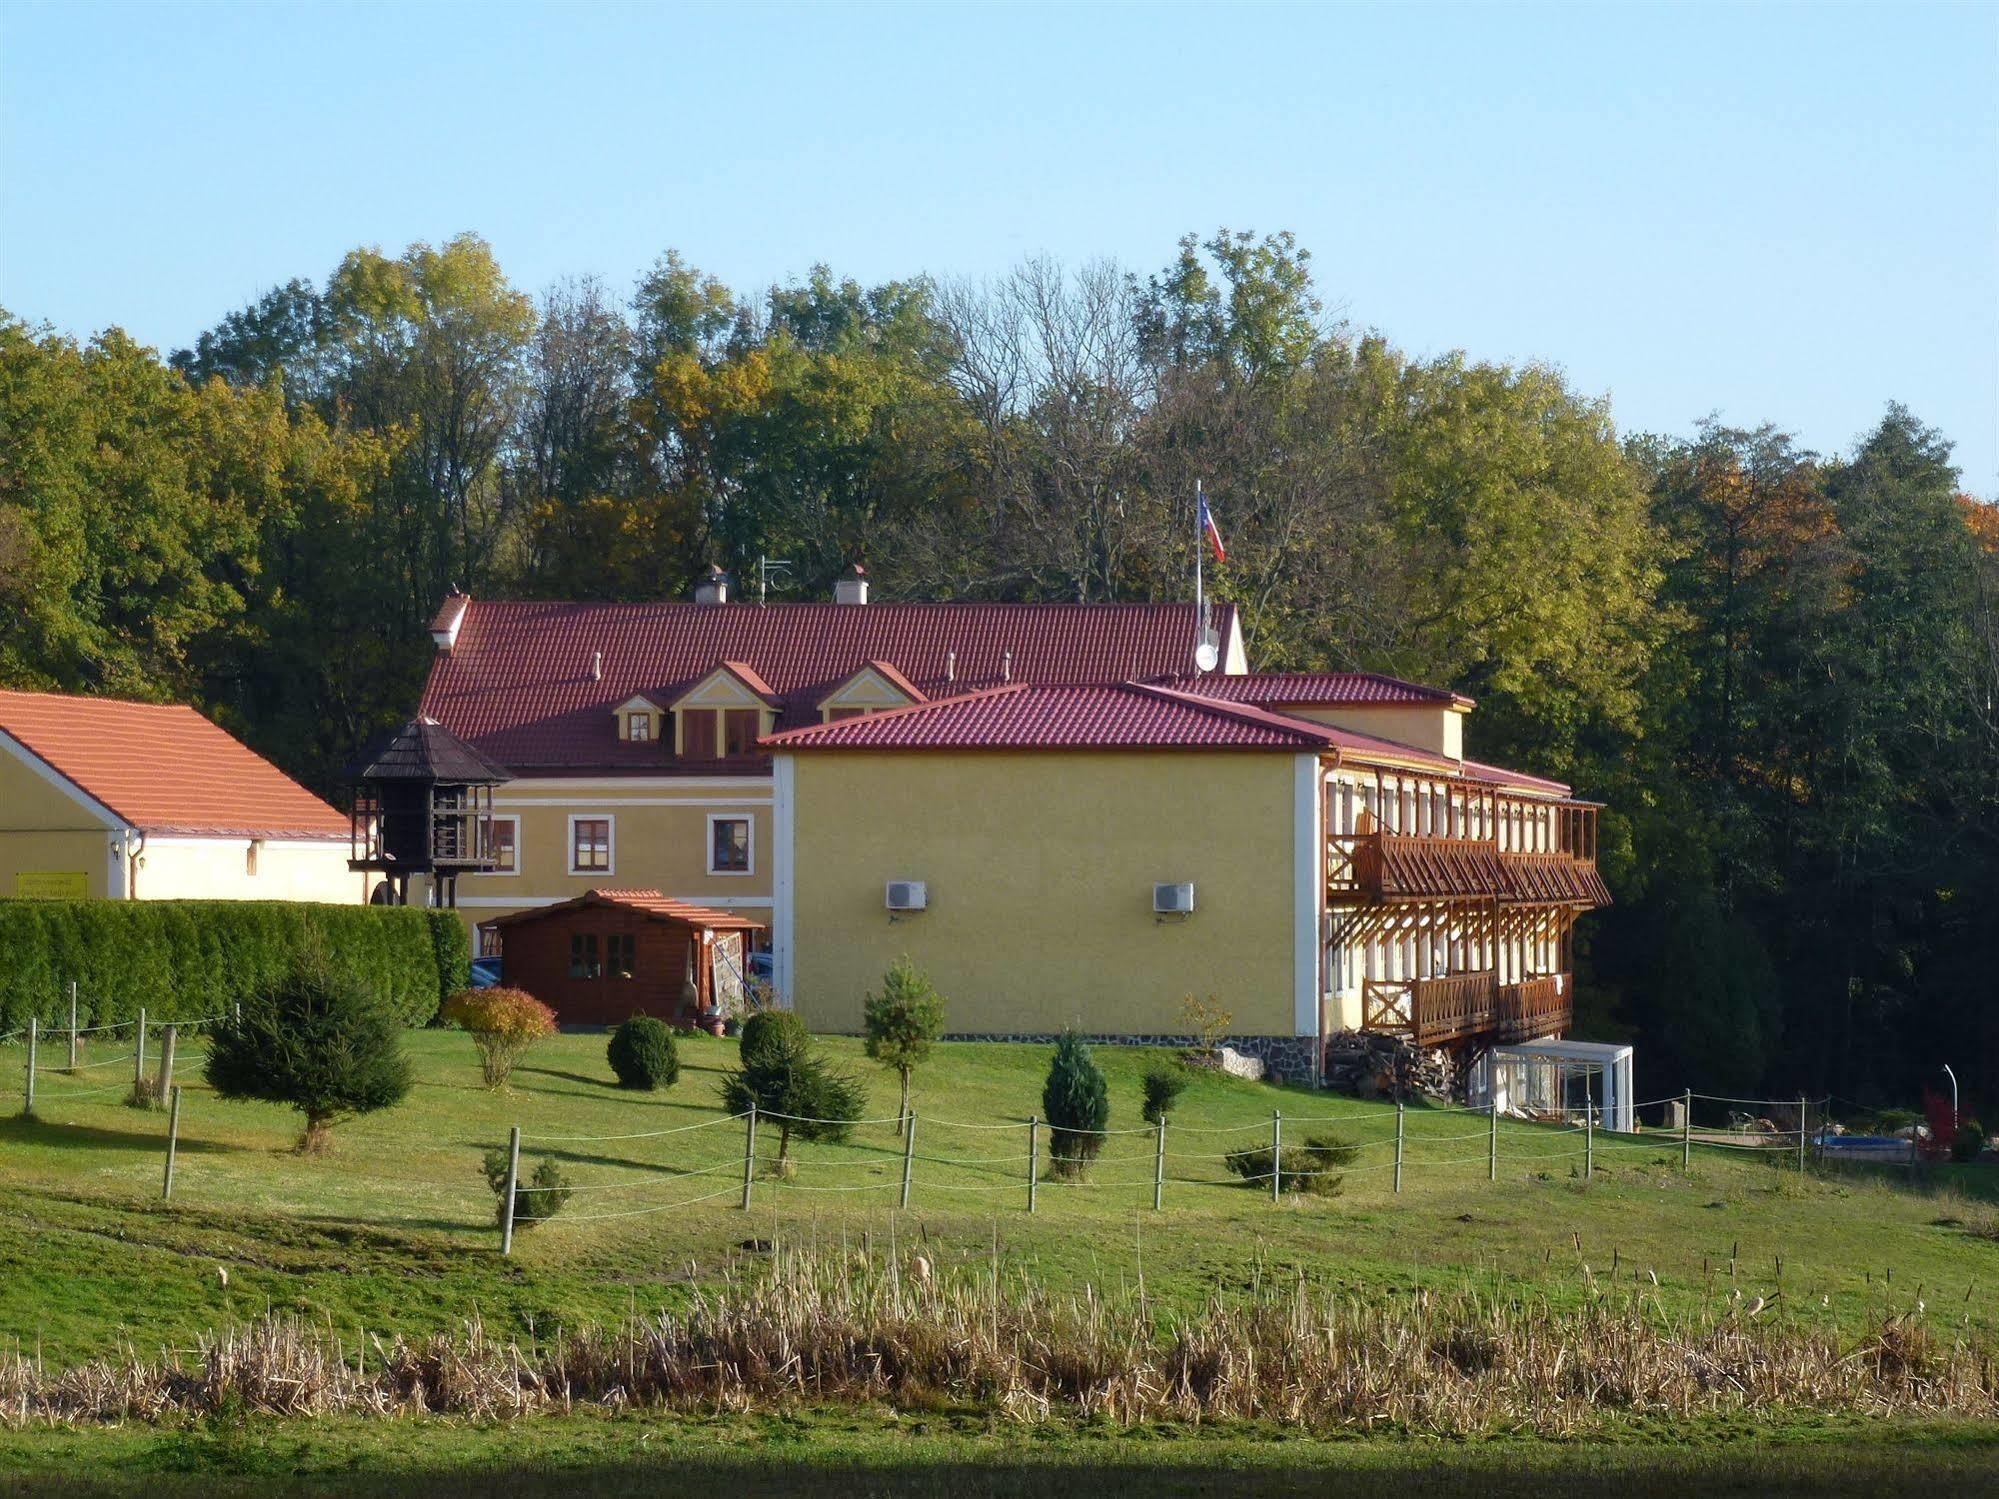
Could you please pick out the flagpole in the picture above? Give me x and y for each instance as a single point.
(1200, 614)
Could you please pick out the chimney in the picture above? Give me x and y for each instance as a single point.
(450, 615)
(713, 587)
(596, 666)
(1006, 666)
(852, 586)
(950, 666)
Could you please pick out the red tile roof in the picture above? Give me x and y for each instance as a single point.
(651, 902)
(518, 683)
(1285, 689)
(1499, 775)
(887, 672)
(163, 768)
(1130, 716)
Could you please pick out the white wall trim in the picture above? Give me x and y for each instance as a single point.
(783, 814)
(503, 800)
(709, 853)
(61, 782)
(638, 782)
(610, 839)
(1308, 895)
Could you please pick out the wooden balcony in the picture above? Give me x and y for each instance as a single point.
(1553, 879)
(1378, 866)
(1467, 1007)
(1533, 1008)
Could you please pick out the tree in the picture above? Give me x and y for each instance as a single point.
(1077, 1101)
(902, 1022)
(503, 1023)
(784, 1075)
(319, 1040)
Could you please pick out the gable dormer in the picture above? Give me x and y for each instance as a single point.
(875, 688)
(723, 715)
(638, 720)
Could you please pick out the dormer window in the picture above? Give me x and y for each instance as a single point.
(638, 726)
(875, 688)
(637, 720)
(722, 716)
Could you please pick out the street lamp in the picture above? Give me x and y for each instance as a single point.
(1953, 1093)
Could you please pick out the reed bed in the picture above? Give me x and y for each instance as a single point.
(847, 1329)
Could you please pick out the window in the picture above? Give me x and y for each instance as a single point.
(834, 715)
(589, 845)
(728, 845)
(697, 734)
(740, 728)
(620, 954)
(583, 963)
(489, 940)
(503, 843)
(638, 726)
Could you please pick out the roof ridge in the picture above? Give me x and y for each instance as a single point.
(792, 735)
(1245, 712)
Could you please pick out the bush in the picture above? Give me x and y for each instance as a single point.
(1165, 1080)
(1207, 1020)
(318, 1039)
(782, 1073)
(1077, 1102)
(503, 1024)
(1311, 1167)
(537, 1198)
(643, 1055)
(902, 1023)
(183, 960)
(1969, 1140)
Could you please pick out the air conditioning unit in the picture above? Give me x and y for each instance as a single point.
(1173, 900)
(907, 895)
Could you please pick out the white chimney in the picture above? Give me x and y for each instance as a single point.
(852, 586)
(950, 666)
(1006, 666)
(596, 666)
(713, 587)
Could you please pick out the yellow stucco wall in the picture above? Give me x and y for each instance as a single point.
(1040, 870)
(219, 869)
(1439, 730)
(659, 841)
(42, 855)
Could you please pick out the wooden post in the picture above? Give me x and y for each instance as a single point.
(1276, 1154)
(749, 1153)
(1398, 1142)
(1492, 1144)
(75, 1051)
(1801, 1134)
(908, 1152)
(1033, 1154)
(173, 1145)
(513, 1184)
(1687, 1130)
(1589, 1138)
(166, 1074)
(34, 1028)
(139, 1056)
(1159, 1165)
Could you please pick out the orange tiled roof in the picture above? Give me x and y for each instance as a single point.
(163, 768)
(651, 902)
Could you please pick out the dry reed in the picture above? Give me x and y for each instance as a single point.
(818, 1329)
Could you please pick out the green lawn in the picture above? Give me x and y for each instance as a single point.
(393, 1230)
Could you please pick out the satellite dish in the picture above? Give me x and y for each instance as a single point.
(1206, 657)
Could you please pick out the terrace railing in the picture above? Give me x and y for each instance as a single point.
(1431, 1011)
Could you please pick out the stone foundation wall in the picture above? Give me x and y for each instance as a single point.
(1285, 1058)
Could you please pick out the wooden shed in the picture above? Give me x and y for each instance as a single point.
(611, 954)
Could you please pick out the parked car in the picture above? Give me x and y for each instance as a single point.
(763, 968)
(485, 973)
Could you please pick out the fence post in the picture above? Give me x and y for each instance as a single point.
(173, 1144)
(908, 1152)
(1033, 1154)
(513, 1185)
(168, 1039)
(1276, 1155)
(749, 1152)
(1801, 1134)
(33, 1033)
(1589, 1139)
(1398, 1142)
(1159, 1165)
(139, 1056)
(1687, 1130)
(75, 1054)
(1492, 1146)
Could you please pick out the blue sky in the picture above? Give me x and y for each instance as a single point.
(1772, 212)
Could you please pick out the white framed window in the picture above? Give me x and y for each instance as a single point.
(593, 843)
(503, 840)
(731, 843)
(638, 727)
(489, 940)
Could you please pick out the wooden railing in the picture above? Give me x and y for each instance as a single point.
(1534, 1007)
(1430, 1011)
(1408, 866)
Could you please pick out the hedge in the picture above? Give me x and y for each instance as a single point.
(185, 959)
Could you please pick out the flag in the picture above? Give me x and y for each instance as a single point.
(1208, 531)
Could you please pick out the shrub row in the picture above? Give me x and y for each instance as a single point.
(184, 959)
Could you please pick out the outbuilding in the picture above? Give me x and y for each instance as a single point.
(610, 954)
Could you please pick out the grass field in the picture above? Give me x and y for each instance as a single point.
(393, 1232)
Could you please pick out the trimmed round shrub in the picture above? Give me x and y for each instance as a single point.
(643, 1055)
(1165, 1080)
(1077, 1102)
(503, 1023)
(318, 1039)
(1311, 1167)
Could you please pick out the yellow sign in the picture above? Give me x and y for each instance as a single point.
(57, 884)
